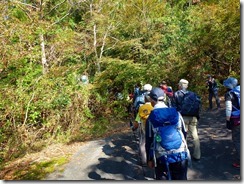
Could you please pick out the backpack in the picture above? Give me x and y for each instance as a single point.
(191, 104)
(168, 100)
(169, 144)
(139, 100)
(237, 92)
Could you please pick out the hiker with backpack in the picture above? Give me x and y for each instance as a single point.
(232, 104)
(140, 100)
(212, 86)
(139, 97)
(166, 147)
(142, 108)
(169, 94)
(140, 122)
(188, 104)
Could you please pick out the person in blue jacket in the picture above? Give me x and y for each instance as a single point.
(232, 110)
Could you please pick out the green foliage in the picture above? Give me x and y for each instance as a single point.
(100, 127)
(19, 14)
(124, 76)
(38, 171)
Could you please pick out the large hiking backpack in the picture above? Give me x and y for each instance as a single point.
(191, 104)
(237, 92)
(169, 143)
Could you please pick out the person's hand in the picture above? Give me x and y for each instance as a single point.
(150, 164)
(135, 126)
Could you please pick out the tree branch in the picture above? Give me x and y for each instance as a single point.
(55, 7)
(26, 4)
(61, 18)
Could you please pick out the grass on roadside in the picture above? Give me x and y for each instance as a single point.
(36, 170)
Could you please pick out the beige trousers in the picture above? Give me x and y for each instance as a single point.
(191, 128)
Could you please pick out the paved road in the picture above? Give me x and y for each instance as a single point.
(116, 158)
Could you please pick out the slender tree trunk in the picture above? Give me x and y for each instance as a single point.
(97, 62)
(43, 54)
(42, 43)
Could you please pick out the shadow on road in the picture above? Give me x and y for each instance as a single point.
(122, 162)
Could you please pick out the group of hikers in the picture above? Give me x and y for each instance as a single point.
(165, 119)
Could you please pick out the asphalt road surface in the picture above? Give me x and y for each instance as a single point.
(116, 157)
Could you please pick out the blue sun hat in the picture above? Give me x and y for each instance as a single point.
(230, 82)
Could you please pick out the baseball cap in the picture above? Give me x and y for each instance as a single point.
(147, 87)
(156, 94)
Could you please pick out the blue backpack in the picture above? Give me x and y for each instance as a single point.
(169, 143)
(237, 92)
(140, 99)
(191, 104)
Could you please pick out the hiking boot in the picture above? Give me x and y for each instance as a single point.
(195, 159)
(236, 165)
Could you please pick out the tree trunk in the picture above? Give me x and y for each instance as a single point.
(42, 43)
(43, 54)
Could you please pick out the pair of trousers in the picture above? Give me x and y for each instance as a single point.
(142, 142)
(210, 97)
(236, 140)
(178, 170)
(191, 123)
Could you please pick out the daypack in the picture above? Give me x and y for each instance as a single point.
(169, 143)
(168, 100)
(140, 99)
(191, 104)
(237, 92)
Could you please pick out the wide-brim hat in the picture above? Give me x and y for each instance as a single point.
(230, 82)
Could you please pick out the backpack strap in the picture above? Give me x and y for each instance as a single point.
(167, 165)
(237, 94)
(183, 92)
